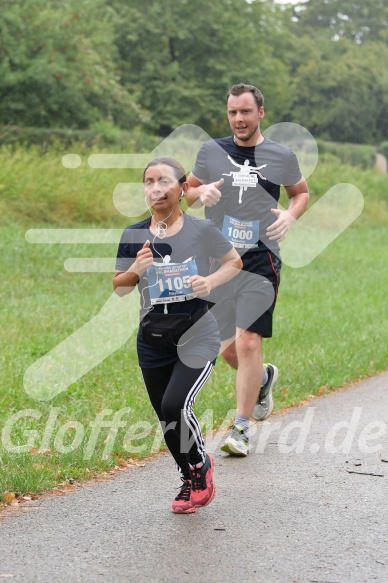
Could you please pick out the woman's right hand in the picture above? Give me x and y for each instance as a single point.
(144, 259)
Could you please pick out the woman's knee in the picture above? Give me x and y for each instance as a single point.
(229, 353)
(171, 409)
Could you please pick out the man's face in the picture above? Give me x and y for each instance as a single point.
(244, 117)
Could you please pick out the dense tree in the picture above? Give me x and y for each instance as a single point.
(357, 20)
(338, 68)
(57, 64)
(156, 65)
(178, 59)
(345, 97)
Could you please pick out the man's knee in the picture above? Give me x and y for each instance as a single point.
(248, 343)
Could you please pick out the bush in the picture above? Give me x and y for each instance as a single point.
(383, 149)
(353, 154)
(102, 135)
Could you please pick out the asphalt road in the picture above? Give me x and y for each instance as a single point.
(308, 505)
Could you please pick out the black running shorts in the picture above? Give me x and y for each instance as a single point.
(248, 300)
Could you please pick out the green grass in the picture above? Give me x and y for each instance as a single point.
(331, 320)
(331, 324)
(36, 189)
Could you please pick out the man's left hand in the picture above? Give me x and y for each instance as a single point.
(279, 229)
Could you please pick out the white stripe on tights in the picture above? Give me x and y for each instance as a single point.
(188, 413)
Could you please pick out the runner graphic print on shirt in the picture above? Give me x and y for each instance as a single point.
(244, 178)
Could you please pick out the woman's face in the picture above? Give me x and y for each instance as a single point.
(161, 187)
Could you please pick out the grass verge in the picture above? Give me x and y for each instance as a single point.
(331, 327)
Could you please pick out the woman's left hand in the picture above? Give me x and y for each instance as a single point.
(201, 285)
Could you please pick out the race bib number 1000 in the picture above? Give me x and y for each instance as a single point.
(242, 234)
(170, 282)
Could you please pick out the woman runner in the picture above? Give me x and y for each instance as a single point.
(167, 256)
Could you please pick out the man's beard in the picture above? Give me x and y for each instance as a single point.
(247, 137)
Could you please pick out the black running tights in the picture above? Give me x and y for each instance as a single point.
(172, 390)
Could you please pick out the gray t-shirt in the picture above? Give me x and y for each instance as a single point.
(199, 240)
(252, 178)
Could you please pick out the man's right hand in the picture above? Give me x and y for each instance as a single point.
(209, 193)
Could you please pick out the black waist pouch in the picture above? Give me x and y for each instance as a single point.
(165, 330)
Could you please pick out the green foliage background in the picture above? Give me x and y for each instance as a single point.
(154, 65)
(111, 76)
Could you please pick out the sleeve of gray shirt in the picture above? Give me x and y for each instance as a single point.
(292, 173)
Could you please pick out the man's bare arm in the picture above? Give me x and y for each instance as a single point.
(199, 194)
(298, 195)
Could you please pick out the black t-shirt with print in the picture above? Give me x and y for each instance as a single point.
(252, 178)
(198, 239)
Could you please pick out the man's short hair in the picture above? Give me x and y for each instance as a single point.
(241, 88)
